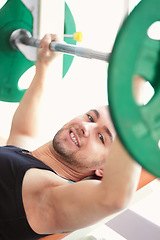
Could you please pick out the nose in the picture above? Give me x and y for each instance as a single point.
(87, 128)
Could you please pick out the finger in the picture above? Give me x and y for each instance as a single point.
(54, 38)
(44, 43)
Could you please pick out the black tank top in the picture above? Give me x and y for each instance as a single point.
(14, 162)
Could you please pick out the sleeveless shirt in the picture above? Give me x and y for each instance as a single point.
(14, 162)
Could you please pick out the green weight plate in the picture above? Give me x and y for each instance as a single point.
(15, 15)
(134, 53)
(69, 28)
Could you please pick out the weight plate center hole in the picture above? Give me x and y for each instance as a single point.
(154, 31)
(142, 90)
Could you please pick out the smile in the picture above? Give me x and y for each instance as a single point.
(74, 139)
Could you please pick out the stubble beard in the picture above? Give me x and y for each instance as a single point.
(70, 157)
(65, 154)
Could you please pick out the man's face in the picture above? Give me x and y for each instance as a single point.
(84, 142)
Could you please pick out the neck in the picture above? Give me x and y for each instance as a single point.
(47, 155)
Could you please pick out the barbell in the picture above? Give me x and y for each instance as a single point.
(21, 37)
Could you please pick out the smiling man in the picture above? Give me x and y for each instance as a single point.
(88, 133)
(41, 190)
(81, 146)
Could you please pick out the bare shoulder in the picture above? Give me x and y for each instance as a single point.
(35, 195)
(38, 179)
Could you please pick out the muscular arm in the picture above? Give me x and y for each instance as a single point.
(24, 126)
(84, 203)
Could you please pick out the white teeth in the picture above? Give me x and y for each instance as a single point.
(73, 138)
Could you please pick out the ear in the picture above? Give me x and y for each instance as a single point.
(99, 172)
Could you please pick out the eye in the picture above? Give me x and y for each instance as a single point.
(101, 138)
(90, 118)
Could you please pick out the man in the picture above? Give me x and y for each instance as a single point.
(47, 191)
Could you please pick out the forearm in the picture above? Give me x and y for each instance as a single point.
(26, 117)
(121, 175)
(91, 200)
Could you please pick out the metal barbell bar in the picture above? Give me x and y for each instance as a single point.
(21, 38)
